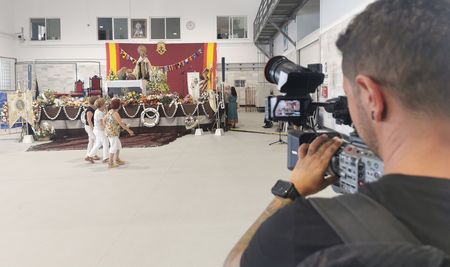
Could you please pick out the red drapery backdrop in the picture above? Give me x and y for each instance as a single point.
(178, 60)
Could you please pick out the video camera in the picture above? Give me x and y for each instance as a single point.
(353, 163)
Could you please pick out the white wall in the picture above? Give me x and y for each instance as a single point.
(79, 25)
(278, 44)
(7, 30)
(332, 11)
(308, 19)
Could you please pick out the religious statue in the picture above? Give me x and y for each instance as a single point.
(143, 66)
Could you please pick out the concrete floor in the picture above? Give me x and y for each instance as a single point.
(184, 204)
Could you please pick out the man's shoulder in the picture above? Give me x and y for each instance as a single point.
(289, 236)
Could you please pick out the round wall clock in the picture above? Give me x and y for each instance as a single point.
(190, 25)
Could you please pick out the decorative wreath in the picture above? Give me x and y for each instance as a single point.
(83, 116)
(155, 117)
(190, 122)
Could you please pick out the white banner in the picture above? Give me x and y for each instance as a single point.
(193, 80)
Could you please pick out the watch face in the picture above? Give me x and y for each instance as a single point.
(281, 188)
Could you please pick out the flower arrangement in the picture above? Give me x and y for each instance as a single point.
(188, 99)
(112, 76)
(72, 101)
(45, 132)
(168, 99)
(36, 110)
(130, 97)
(158, 82)
(4, 114)
(47, 98)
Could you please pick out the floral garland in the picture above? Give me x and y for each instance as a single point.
(129, 98)
(49, 117)
(193, 112)
(160, 105)
(67, 115)
(132, 116)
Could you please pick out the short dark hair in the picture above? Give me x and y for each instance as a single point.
(404, 45)
(115, 103)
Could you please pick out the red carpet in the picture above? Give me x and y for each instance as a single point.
(80, 143)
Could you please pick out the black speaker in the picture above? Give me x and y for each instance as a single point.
(316, 67)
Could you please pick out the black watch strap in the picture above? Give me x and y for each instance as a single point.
(285, 189)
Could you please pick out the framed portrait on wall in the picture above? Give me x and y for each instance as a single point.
(138, 28)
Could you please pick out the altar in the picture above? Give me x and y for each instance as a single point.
(116, 87)
(66, 120)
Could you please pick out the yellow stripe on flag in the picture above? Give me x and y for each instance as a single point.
(113, 57)
(210, 62)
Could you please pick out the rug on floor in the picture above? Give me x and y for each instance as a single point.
(80, 143)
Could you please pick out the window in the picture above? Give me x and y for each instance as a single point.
(173, 28)
(7, 74)
(112, 29)
(158, 29)
(223, 27)
(239, 83)
(165, 28)
(232, 27)
(105, 28)
(120, 28)
(45, 29)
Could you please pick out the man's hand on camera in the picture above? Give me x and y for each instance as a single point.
(308, 175)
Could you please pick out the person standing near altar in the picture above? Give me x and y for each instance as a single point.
(232, 108)
(226, 100)
(143, 65)
(89, 128)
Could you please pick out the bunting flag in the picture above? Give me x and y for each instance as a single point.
(165, 68)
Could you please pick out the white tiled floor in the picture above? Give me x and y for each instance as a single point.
(184, 204)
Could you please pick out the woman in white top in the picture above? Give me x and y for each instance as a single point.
(99, 131)
(89, 128)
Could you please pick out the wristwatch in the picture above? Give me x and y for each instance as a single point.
(285, 189)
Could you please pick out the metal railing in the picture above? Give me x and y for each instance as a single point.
(262, 16)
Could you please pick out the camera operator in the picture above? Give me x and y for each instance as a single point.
(396, 65)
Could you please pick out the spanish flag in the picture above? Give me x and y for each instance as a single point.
(210, 62)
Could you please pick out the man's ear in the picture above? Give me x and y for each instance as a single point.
(372, 97)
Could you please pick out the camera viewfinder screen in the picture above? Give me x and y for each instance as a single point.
(287, 108)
